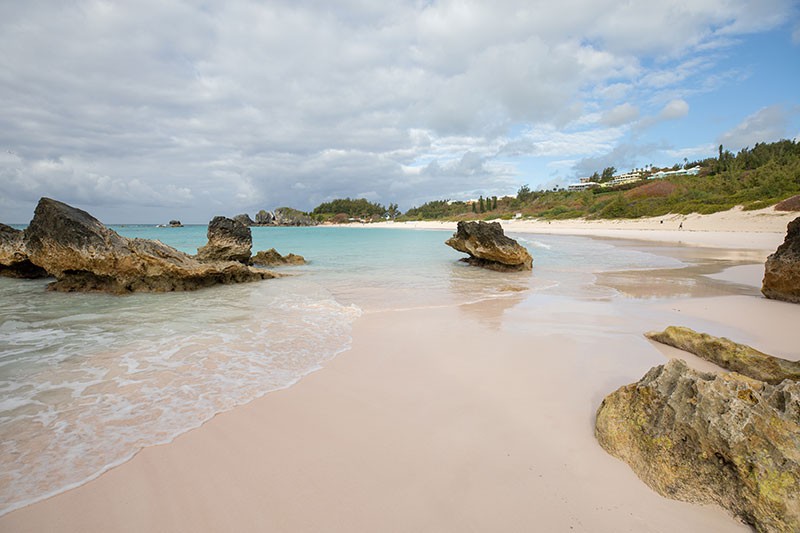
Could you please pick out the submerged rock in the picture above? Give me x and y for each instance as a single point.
(228, 240)
(711, 438)
(14, 261)
(728, 354)
(273, 258)
(782, 269)
(489, 247)
(84, 255)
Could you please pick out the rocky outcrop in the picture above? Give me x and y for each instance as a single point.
(709, 438)
(488, 247)
(84, 255)
(175, 224)
(728, 354)
(284, 216)
(790, 204)
(782, 269)
(272, 258)
(14, 261)
(244, 219)
(228, 240)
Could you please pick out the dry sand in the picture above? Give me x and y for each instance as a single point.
(470, 418)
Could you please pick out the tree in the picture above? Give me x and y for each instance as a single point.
(608, 173)
(524, 193)
(494, 203)
(393, 211)
(474, 207)
(482, 206)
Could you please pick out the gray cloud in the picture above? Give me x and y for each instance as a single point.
(767, 124)
(169, 109)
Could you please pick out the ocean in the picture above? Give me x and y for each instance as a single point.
(87, 380)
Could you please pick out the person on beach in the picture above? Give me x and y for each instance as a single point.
(680, 226)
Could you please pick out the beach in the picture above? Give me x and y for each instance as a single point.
(464, 415)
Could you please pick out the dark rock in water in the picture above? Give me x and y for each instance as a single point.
(272, 258)
(84, 255)
(14, 261)
(228, 240)
(175, 224)
(782, 269)
(709, 438)
(728, 354)
(244, 219)
(488, 247)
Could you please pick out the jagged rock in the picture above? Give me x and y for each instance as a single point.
(488, 247)
(284, 216)
(84, 255)
(228, 240)
(272, 258)
(728, 354)
(264, 218)
(14, 261)
(244, 219)
(790, 204)
(782, 269)
(175, 224)
(711, 438)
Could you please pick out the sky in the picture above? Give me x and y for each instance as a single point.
(146, 111)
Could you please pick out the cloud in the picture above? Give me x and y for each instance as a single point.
(199, 110)
(767, 124)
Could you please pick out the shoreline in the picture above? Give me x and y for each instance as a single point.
(464, 424)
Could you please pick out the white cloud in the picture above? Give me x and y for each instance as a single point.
(243, 105)
(767, 124)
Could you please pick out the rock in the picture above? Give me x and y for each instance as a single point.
(175, 224)
(488, 247)
(228, 240)
(711, 438)
(14, 261)
(284, 216)
(782, 269)
(264, 218)
(244, 219)
(790, 204)
(272, 258)
(84, 255)
(728, 354)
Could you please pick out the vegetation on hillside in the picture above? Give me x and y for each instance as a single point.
(754, 178)
(345, 209)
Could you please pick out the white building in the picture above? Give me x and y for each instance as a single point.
(582, 186)
(661, 174)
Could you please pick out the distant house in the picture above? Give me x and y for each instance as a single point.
(582, 186)
(661, 174)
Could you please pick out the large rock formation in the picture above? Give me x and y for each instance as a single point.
(244, 219)
(273, 258)
(284, 216)
(84, 255)
(707, 438)
(14, 261)
(782, 269)
(488, 247)
(728, 354)
(228, 240)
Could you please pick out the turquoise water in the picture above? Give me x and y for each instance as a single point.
(86, 380)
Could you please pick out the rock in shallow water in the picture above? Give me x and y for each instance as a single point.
(84, 255)
(14, 261)
(709, 438)
(273, 258)
(489, 247)
(782, 269)
(228, 240)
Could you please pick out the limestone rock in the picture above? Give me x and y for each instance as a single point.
(284, 216)
(244, 219)
(228, 240)
(14, 262)
(264, 218)
(273, 258)
(488, 247)
(175, 224)
(84, 255)
(782, 269)
(711, 438)
(728, 354)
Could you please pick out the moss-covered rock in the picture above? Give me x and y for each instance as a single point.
(711, 438)
(728, 354)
